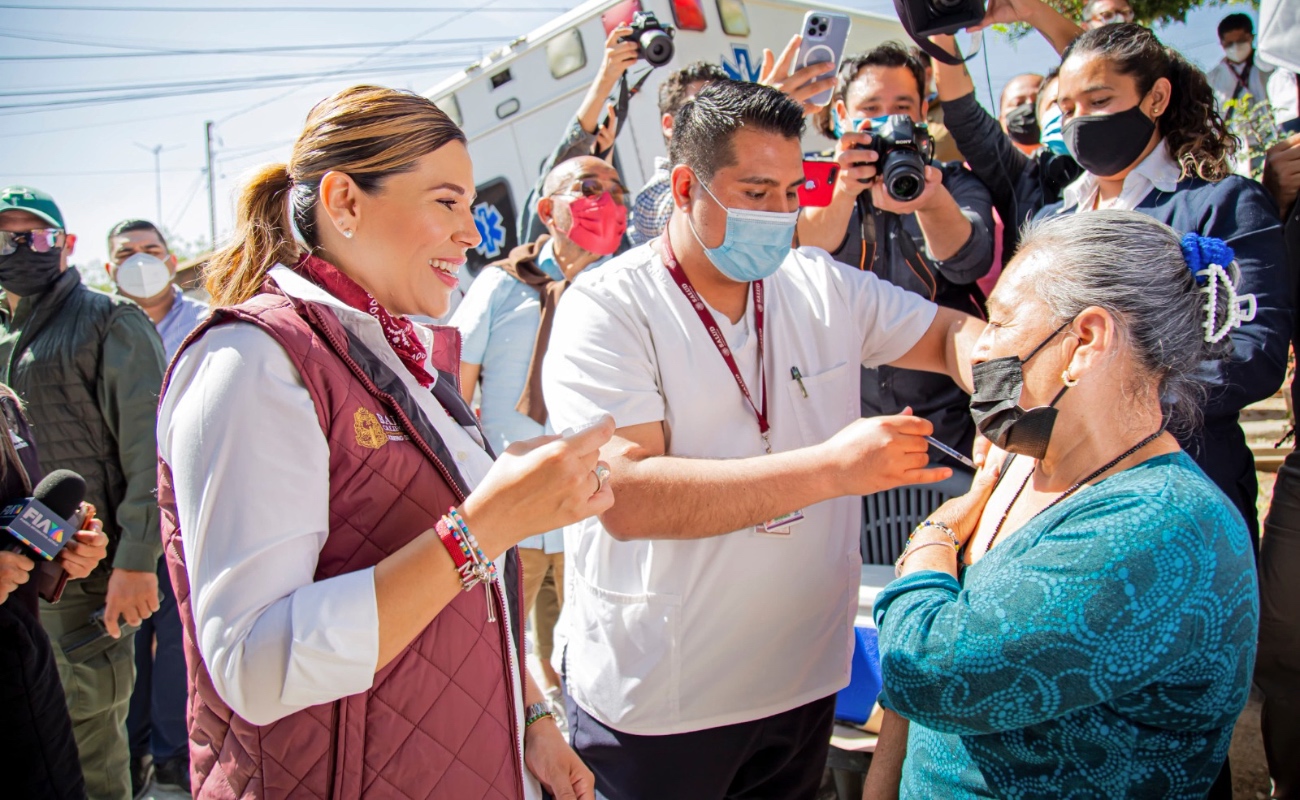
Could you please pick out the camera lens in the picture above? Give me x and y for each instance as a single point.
(903, 173)
(905, 187)
(941, 7)
(657, 48)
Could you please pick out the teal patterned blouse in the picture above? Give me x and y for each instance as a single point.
(1103, 650)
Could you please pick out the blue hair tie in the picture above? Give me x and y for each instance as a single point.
(1199, 252)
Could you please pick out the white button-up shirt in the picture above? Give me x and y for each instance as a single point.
(251, 468)
(667, 636)
(1157, 171)
(1225, 77)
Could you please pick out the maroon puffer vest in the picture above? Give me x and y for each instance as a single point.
(439, 720)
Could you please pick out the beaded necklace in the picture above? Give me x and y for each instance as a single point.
(997, 530)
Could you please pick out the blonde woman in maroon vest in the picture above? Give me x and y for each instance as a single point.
(340, 539)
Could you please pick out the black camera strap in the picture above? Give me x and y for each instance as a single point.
(625, 94)
(930, 48)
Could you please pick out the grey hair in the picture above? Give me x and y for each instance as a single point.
(1132, 266)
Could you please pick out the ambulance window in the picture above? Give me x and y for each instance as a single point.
(564, 54)
(508, 109)
(451, 107)
(734, 19)
(689, 14)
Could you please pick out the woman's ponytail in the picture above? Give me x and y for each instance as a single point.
(1196, 135)
(263, 237)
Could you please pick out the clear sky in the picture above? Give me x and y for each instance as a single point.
(95, 159)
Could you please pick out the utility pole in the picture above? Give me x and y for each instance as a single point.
(212, 187)
(157, 151)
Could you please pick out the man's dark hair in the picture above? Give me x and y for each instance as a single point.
(1003, 94)
(1236, 22)
(1052, 74)
(889, 54)
(704, 126)
(672, 92)
(129, 225)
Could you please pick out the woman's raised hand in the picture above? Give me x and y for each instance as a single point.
(539, 485)
(962, 513)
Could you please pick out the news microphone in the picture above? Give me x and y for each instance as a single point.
(41, 522)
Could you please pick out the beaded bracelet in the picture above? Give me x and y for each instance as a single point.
(535, 713)
(472, 565)
(930, 523)
(482, 561)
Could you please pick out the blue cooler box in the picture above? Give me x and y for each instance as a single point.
(854, 702)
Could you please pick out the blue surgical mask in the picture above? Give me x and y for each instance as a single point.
(1053, 139)
(856, 124)
(756, 243)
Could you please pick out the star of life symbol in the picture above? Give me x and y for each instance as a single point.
(740, 67)
(489, 221)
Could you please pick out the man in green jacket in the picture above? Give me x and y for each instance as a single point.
(89, 365)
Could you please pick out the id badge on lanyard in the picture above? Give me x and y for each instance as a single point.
(782, 525)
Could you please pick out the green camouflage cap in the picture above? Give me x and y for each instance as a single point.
(33, 201)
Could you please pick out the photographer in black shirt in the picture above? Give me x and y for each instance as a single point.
(936, 245)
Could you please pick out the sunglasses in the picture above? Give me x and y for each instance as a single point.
(41, 240)
(595, 187)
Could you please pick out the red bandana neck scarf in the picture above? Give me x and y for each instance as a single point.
(399, 331)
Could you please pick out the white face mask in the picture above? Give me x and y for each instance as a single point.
(143, 276)
(1237, 52)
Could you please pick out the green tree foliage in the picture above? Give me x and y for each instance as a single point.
(1148, 12)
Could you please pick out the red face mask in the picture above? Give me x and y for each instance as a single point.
(598, 224)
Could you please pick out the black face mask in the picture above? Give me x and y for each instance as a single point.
(1022, 124)
(995, 405)
(1106, 144)
(26, 272)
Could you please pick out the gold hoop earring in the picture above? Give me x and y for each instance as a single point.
(1067, 380)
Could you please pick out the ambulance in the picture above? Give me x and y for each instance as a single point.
(517, 102)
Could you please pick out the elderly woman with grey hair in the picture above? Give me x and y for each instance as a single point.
(1082, 623)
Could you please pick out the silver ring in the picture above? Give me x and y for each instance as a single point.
(602, 477)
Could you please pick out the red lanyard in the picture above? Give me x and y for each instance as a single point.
(684, 283)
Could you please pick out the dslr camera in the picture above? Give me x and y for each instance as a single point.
(924, 18)
(654, 40)
(903, 148)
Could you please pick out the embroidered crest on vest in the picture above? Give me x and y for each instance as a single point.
(370, 432)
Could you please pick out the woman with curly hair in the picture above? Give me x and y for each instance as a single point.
(1141, 121)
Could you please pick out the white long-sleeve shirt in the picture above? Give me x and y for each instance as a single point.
(250, 465)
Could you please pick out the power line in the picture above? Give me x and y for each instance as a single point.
(45, 91)
(358, 9)
(98, 124)
(296, 51)
(346, 68)
(215, 87)
(77, 173)
(193, 193)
